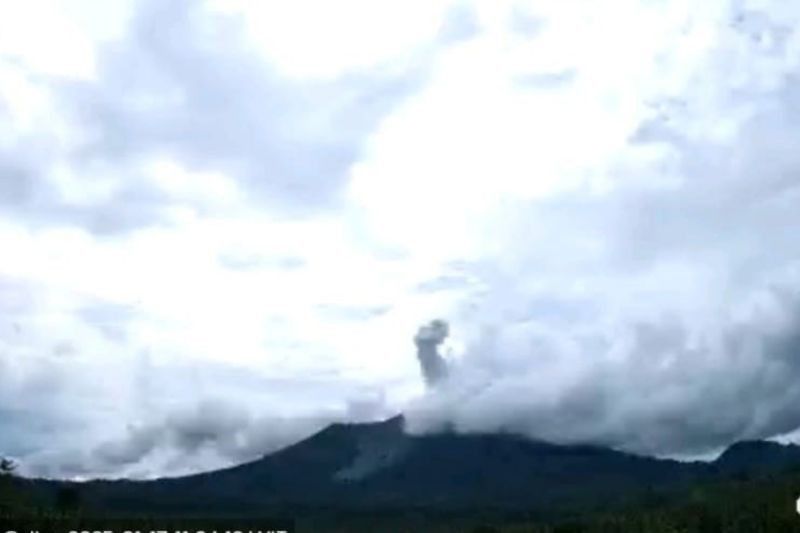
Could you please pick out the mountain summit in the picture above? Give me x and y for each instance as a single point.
(378, 465)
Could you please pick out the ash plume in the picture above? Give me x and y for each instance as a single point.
(428, 339)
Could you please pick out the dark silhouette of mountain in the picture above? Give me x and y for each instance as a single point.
(757, 457)
(378, 466)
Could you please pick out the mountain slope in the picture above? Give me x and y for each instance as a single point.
(757, 457)
(372, 466)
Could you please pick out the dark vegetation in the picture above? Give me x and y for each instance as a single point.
(12, 499)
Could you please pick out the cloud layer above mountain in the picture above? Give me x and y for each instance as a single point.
(222, 224)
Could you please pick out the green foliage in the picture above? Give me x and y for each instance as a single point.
(765, 505)
(735, 506)
(68, 499)
(7, 467)
(11, 498)
(17, 495)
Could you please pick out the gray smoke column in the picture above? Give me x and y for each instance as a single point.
(428, 339)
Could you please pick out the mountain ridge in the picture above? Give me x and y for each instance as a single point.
(378, 465)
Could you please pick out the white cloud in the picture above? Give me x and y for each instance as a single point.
(314, 39)
(597, 197)
(59, 38)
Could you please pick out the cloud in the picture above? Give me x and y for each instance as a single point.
(86, 393)
(170, 204)
(155, 434)
(164, 92)
(210, 434)
(608, 228)
(651, 305)
(653, 387)
(220, 107)
(351, 312)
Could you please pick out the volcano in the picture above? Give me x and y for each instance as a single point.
(378, 465)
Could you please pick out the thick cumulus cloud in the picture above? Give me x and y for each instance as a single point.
(652, 303)
(201, 435)
(69, 409)
(656, 386)
(183, 86)
(193, 90)
(129, 134)
(210, 434)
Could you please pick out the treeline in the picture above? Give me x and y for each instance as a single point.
(736, 506)
(743, 505)
(12, 500)
(20, 499)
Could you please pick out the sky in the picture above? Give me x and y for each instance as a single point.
(222, 224)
